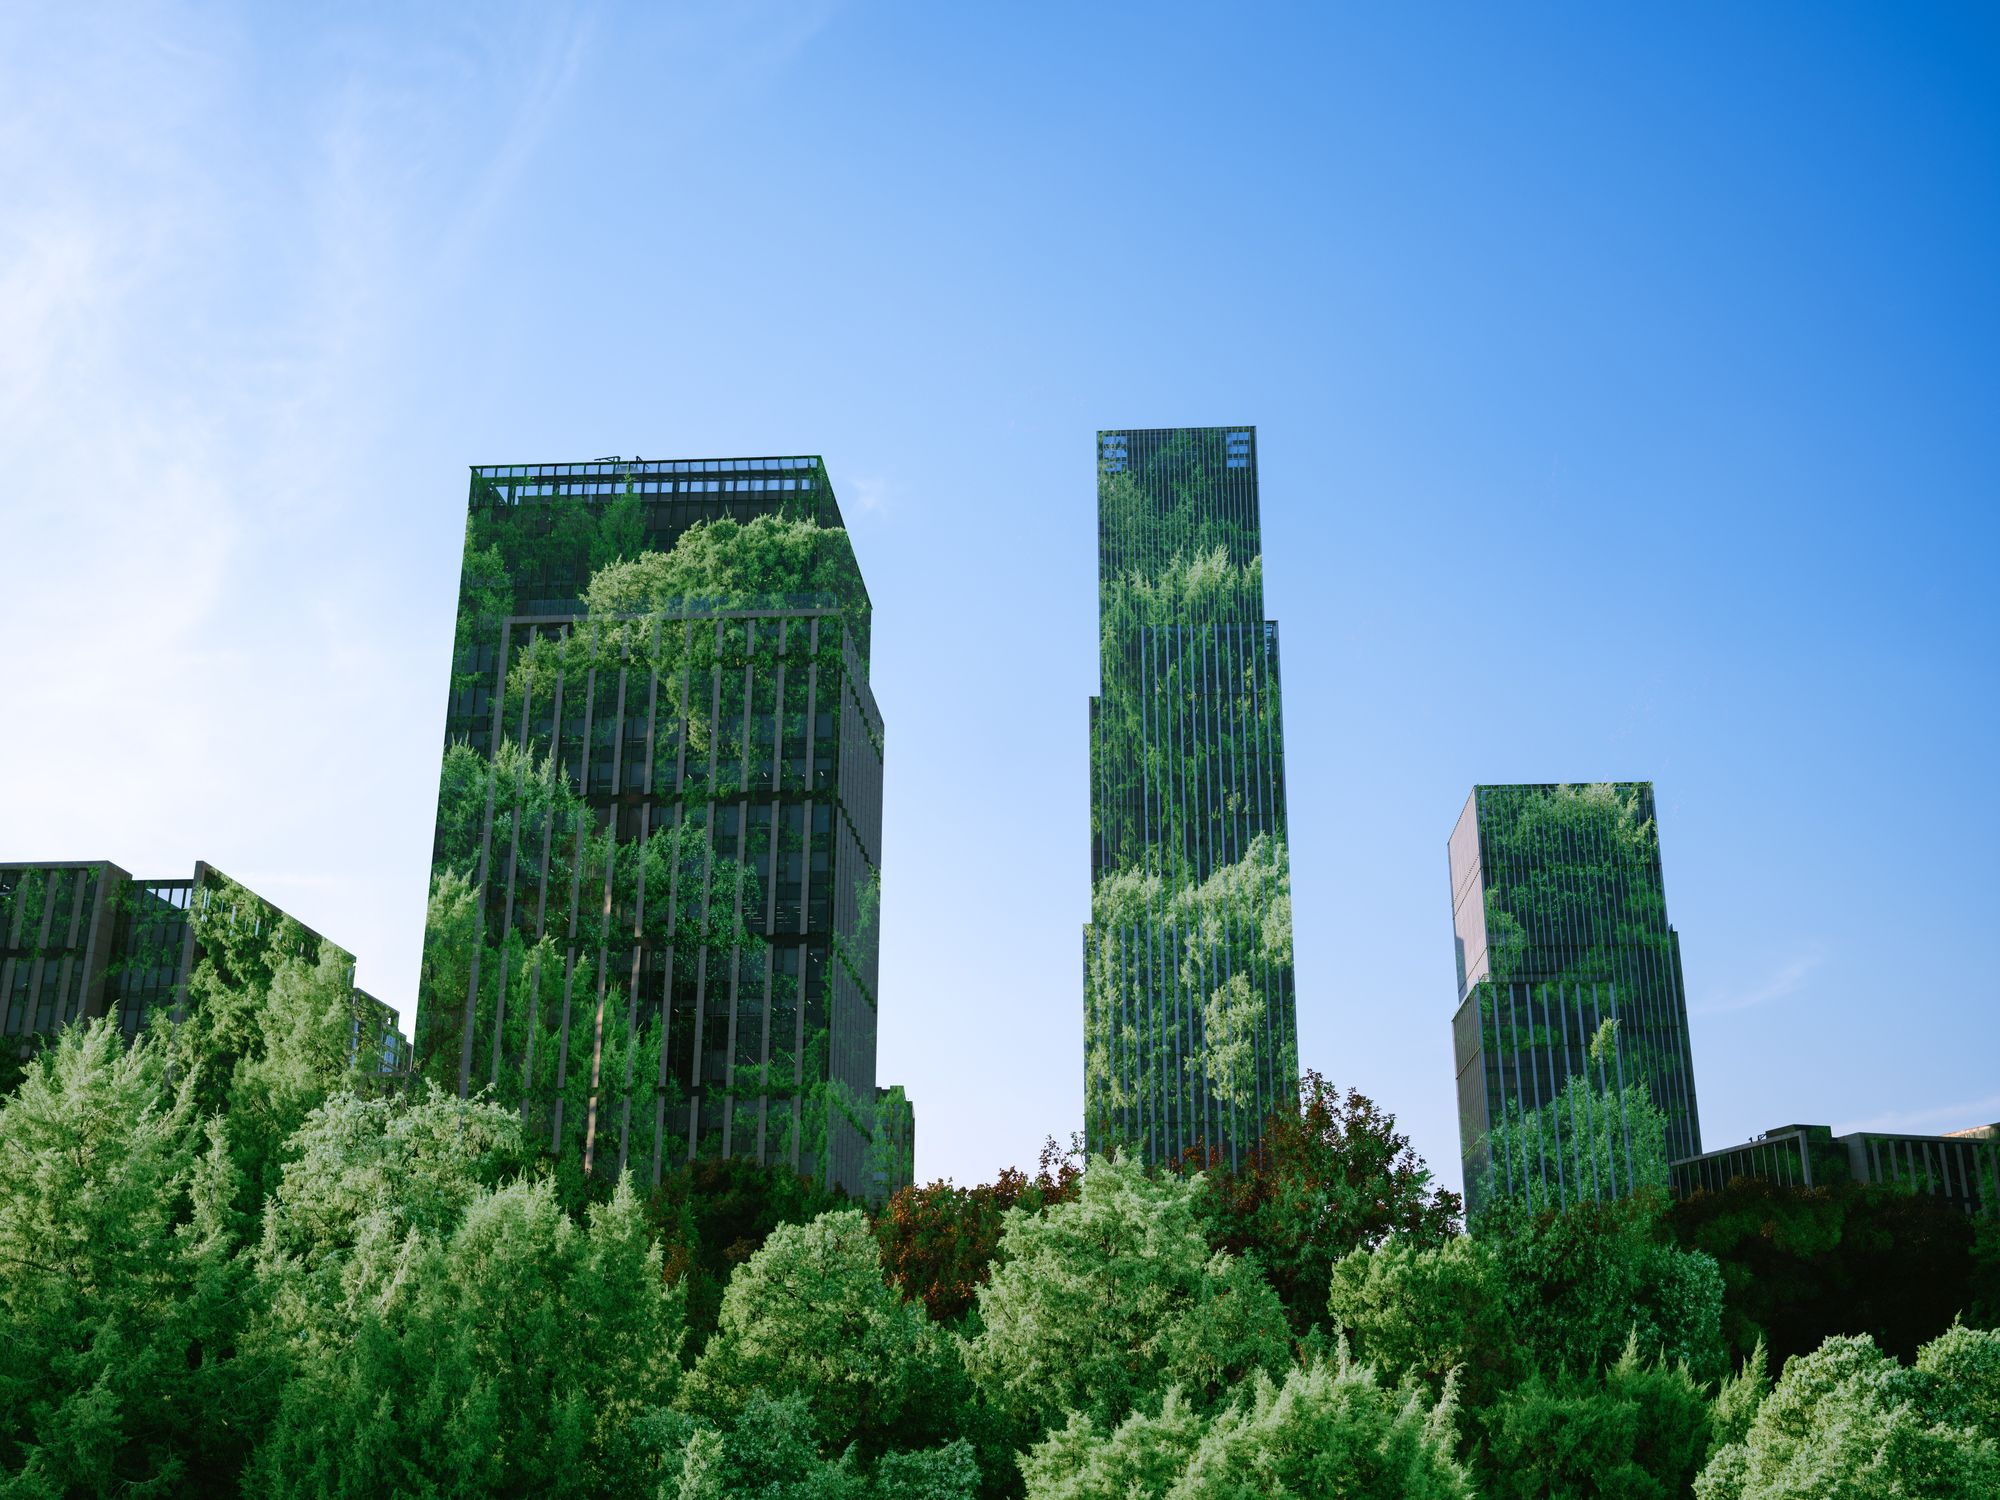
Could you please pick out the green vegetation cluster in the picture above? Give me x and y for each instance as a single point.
(233, 1268)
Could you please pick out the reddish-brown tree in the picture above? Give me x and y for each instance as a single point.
(1329, 1177)
(938, 1240)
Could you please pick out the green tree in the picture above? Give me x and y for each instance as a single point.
(514, 1358)
(1802, 1264)
(810, 1312)
(1560, 1292)
(1328, 1176)
(1639, 1431)
(368, 1185)
(1847, 1422)
(727, 564)
(1579, 1282)
(771, 1449)
(1100, 1303)
(308, 1052)
(1327, 1430)
(121, 1300)
(714, 1213)
(1425, 1313)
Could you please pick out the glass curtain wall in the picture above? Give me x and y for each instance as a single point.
(1189, 1016)
(652, 923)
(1575, 1077)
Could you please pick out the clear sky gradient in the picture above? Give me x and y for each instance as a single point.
(1626, 387)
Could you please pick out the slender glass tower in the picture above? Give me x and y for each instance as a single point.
(1190, 1033)
(1571, 1035)
(654, 883)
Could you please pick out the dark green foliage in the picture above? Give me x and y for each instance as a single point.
(1639, 1431)
(1328, 1176)
(1559, 1293)
(1579, 1283)
(122, 1297)
(715, 1213)
(1802, 1264)
(771, 1449)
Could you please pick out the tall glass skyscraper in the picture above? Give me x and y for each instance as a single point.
(1190, 1032)
(654, 885)
(1559, 912)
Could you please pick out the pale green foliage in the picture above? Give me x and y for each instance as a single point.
(1200, 585)
(1103, 1301)
(1737, 1398)
(1142, 1455)
(729, 564)
(1328, 1430)
(771, 1451)
(811, 1312)
(308, 1054)
(1847, 1422)
(1965, 1363)
(513, 1358)
(119, 1300)
(1234, 931)
(1427, 1313)
(371, 1184)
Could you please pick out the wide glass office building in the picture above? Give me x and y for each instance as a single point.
(652, 921)
(1571, 1013)
(81, 939)
(1190, 1033)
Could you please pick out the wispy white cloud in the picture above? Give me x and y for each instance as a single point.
(209, 281)
(1779, 984)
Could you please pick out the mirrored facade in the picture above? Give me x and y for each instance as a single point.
(1571, 1035)
(654, 888)
(1190, 1034)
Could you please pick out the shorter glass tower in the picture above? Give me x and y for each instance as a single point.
(1575, 1078)
(81, 939)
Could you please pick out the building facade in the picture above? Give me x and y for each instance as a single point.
(1190, 1031)
(83, 939)
(1575, 1076)
(1962, 1166)
(654, 884)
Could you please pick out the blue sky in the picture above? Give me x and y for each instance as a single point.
(1626, 388)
